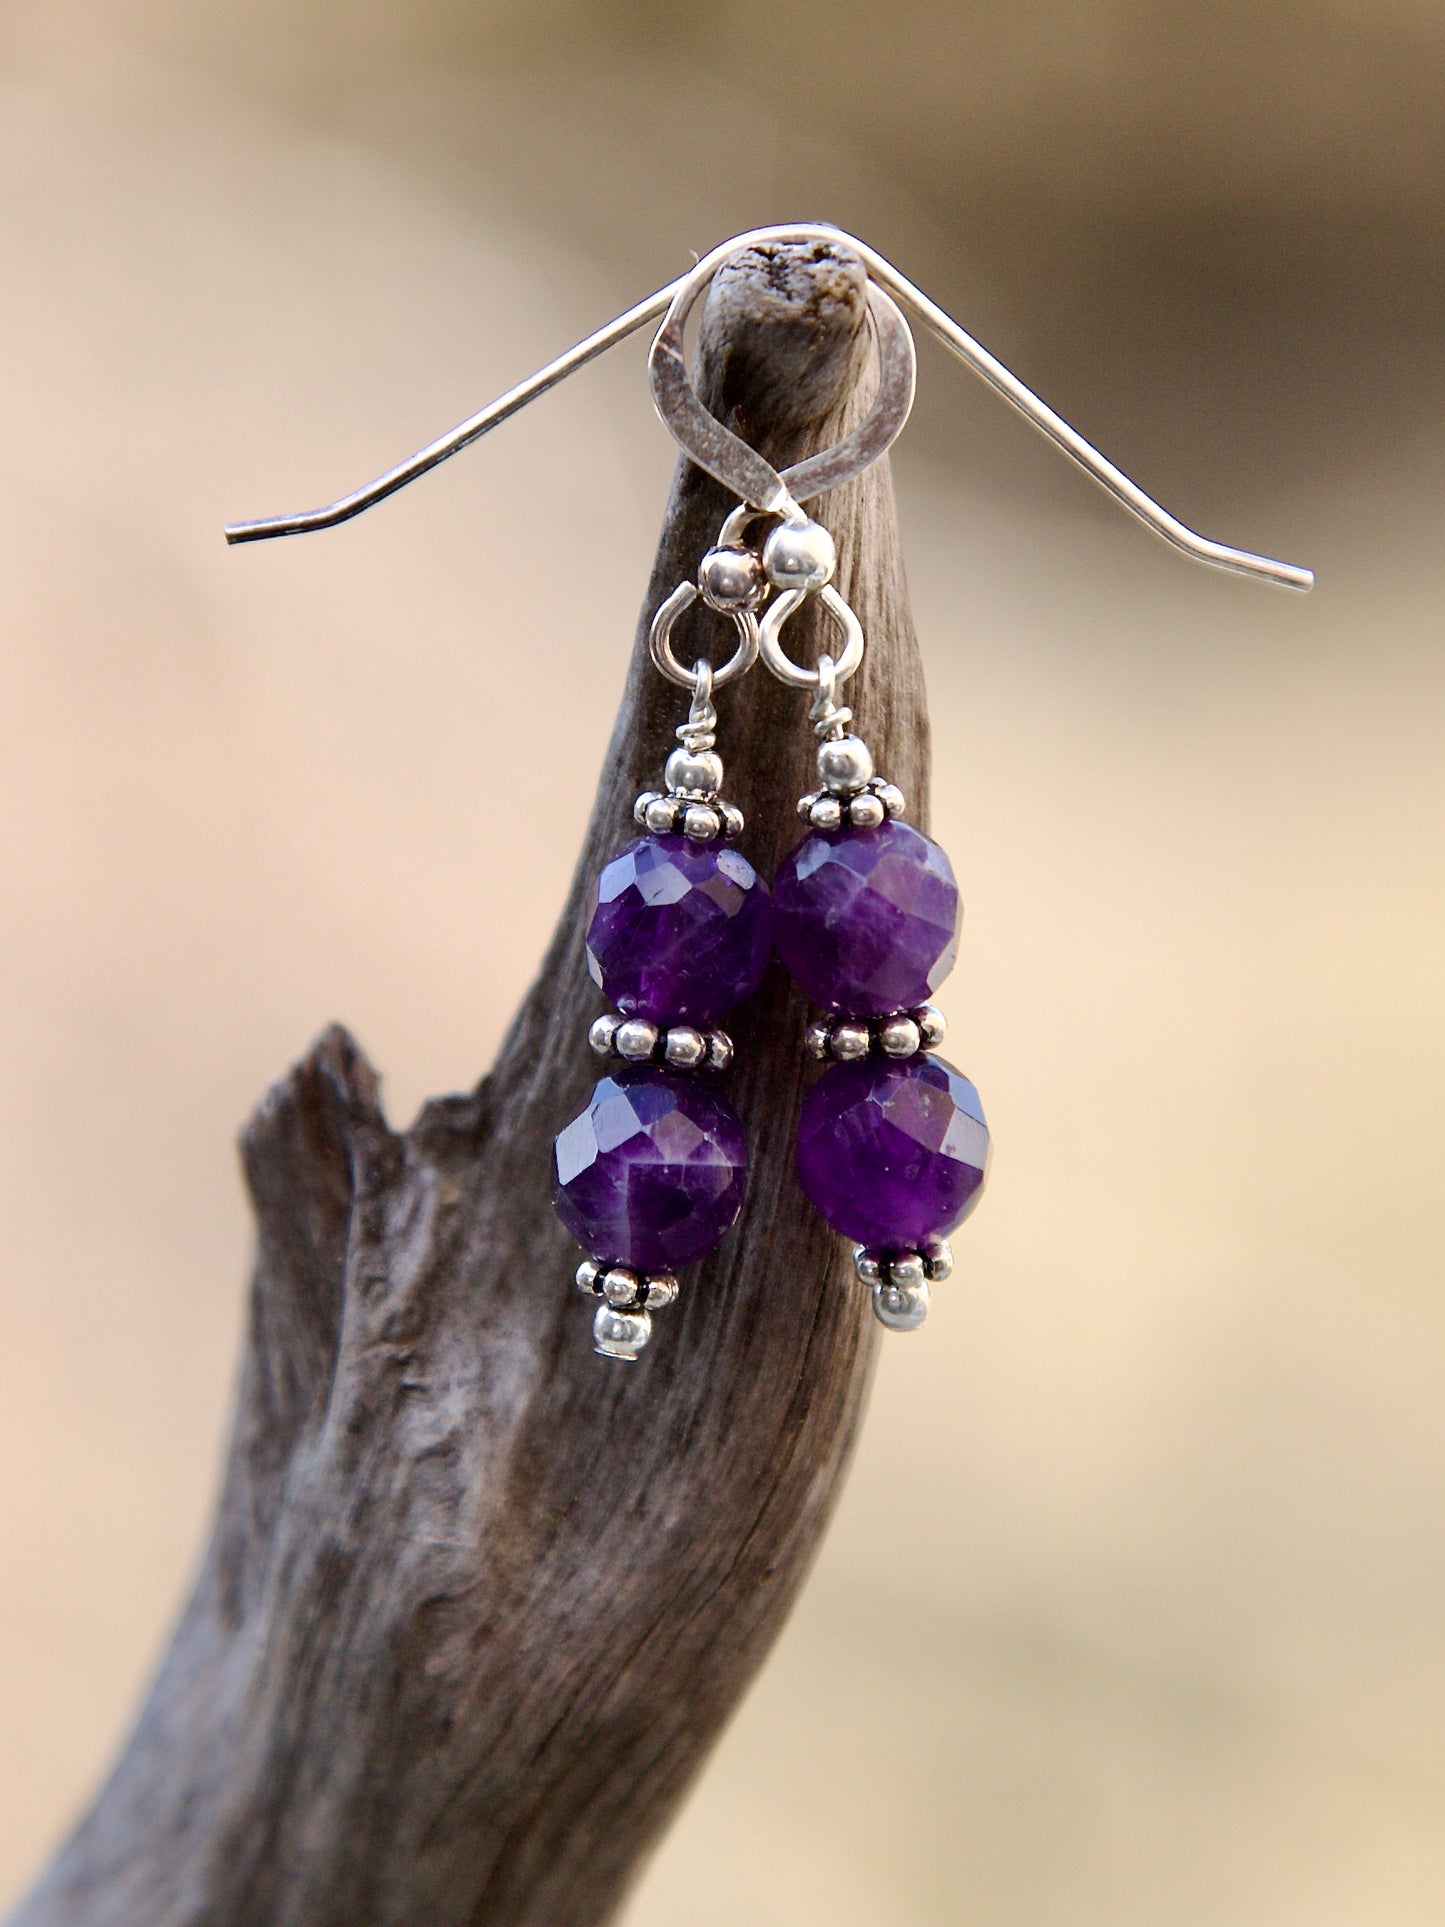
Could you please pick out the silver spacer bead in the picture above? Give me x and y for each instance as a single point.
(684, 1048)
(636, 1040)
(849, 1041)
(815, 1038)
(602, 1035)
(694, 773)
(937, 1257)
(905, 1271)
(932, 1025)
(868, 1265)
(643, 804)
(719, 1050)
(845, 765)
(733, 820)
(900, 1309)
(899, 1037)
(587, 1275)
(620, 1334)
(660, 815)
(800, 555)
(701, 822)
(731, 579)
(620, 1286)
(805, 803)
(865, 812)
(891, 797)
(660, 1288)
(826, 813)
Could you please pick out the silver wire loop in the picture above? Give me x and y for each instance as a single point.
(725, 456)
(955, 339)
(782, 665)
(659, 641)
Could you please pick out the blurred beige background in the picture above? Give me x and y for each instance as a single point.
(1133, 1610)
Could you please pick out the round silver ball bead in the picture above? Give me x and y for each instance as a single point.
(733, 822)
(868, 1266)
(661, 815)
(603, 1034)
(900, 1308)
(845, 765)
(730, 579)
(849, 1041)
(800, 555)
(932, 1025)
(620, 1334)
(865, 812)
(701, 822)
(587, 1273)
(937, 1257)
(719, 1050)
(826, 813)
(906, 1271)
(815, 1039)
(684, 1048)
(659, 1289)
(643, 804)
(636, 1040)
(900, 1037)
(620, 1286)
(697, 772)
(892, 798)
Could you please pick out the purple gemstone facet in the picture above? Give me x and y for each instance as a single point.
(892, 1154)
(867, 920)
(653, 1172)
(679, 931)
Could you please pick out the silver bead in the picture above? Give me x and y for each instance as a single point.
(701, 822)
(636, 1040)
(937, 1257)
(815, 1038)
(932, 1025)
(865, 812)
(587, 1276)
(805, 803)
(719, 1050)
(849, 1041)
(684, 1048)
(661, 815)
(660, 1288)
(899, 1309)
(620, 1286)
(845, 765)
(643, 804)
(800, 555)
(730, 579)
(868, 1265)
(620, 1334)
(733, 820)
(603, 1034)
(899, 1037)
(826, 813)
(698, 773)
(905, 1271)
(891, 797)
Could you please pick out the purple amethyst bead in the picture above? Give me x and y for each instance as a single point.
(893, 1154)
(679, 931)
(867, 920)
(653, 1172)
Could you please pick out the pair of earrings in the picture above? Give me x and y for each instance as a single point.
(892, 1146)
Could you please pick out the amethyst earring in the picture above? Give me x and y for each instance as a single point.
(893, 1149)
(653, 1172)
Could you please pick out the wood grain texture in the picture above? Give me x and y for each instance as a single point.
(478, 1602)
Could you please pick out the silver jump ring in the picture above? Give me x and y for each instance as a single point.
(782, 665)
(728, 458)
(659, 641)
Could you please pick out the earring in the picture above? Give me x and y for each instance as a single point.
(893, 1149)
(653, 1172)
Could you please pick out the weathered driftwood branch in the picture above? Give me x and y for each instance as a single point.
(478, 1602)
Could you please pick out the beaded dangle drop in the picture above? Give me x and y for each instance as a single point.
(893, 1149)
(652, 1173)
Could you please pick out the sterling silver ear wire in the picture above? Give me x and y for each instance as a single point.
(702, 437)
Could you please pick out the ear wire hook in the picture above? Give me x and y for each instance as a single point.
(954, 338)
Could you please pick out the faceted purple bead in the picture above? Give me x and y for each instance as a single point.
(679, 931)
(893, 1153)
(867, 920)
(653, 1172)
